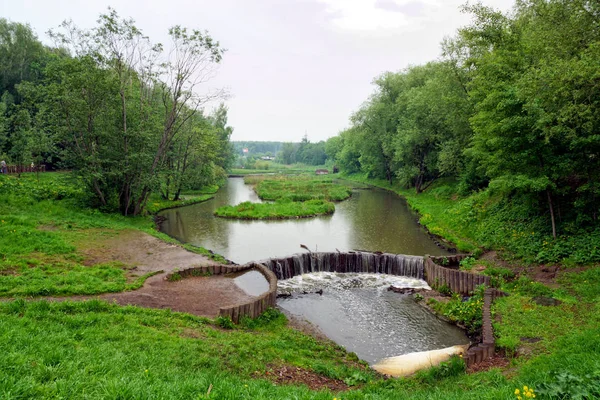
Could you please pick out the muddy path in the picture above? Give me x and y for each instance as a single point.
(144, 254)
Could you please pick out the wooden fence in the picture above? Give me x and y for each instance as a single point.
(250, 309)
(19, 169)
(457, 281)
(465, 283)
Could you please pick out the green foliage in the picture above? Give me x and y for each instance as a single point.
(465, 312)
(511, 108)
(224, 322)
(129, 351)
(157, 204)
(174, 277)
(300, 188)
(304, 152)
(293, 197)
(270, 319)
(444, 290)
(487, 220)
(357, 378)
(43, 223)
(468, 263)
(565, 385)
(281, 209)
(528, 287)
(448, 369)
(107, 111)
(499, 275)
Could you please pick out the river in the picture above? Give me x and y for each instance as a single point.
(355, 310)
(372, 219)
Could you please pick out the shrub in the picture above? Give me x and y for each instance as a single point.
(224, 322)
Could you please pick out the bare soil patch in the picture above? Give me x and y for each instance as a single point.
(141, 254)
(195, 295)
(290, 375)
(499, 360)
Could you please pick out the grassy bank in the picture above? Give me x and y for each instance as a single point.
(300, 196)
(279, 210)
(43, 224)
(100, 350)
(157, 203)
(281, 169)
(299, 188)
(486, 221)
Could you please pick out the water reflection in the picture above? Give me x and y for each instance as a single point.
(375, 220)
(358, 312)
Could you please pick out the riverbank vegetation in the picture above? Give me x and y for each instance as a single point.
(45, 221)
(103, 350)
(120, 111)
(507, 119)
(298, 188)
(289, 197)
(281, 209)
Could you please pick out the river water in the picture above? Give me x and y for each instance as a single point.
(355, 310)
(372, 219)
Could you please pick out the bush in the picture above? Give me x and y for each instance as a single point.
(465, 312)
(224, 322)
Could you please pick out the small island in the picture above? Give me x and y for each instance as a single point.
(288, 197)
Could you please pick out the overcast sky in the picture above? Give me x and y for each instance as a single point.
(292, 66)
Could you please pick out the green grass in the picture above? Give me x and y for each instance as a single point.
(277, 210)
(300, 188)
(300, 196)
(98, 350)
(276, 168)
(43, 222)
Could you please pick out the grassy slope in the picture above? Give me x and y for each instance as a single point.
(41, 224)
(99, 350)
(487, 221)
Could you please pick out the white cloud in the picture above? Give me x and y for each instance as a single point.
(363, 15)
(395, 16)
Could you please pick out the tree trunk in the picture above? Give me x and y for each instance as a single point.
(551, 213)
(418, 183)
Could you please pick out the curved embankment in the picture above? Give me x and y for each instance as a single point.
(465, 283)
(427, 268)
(359, 262)
(252, 308)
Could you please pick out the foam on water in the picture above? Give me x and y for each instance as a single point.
(342, 281)
(358, 312)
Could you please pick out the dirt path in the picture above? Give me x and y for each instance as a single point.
(144, 254)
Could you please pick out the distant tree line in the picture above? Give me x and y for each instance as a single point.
(120, 111)
(304, 152)
(513, 106)
(257, 148)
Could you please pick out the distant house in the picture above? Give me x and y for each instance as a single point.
(321, 172)
(267, 158)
